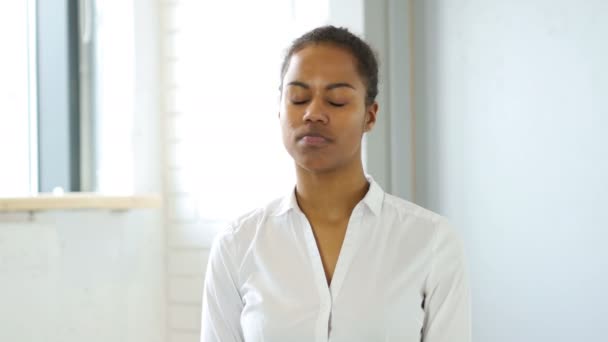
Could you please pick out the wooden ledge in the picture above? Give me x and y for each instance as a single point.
(78, 200)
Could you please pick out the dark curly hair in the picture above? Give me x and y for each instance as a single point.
(367, 64)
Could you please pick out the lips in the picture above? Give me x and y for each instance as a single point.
(313, 139)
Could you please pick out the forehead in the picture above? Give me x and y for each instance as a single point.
(323, 62)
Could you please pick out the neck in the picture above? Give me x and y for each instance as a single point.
(331, 195)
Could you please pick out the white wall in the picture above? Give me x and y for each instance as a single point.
(90, 275)
(512, 116)
(95, 275)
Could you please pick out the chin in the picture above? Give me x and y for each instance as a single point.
(317, 165)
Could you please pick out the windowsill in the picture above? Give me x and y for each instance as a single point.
(76, 200)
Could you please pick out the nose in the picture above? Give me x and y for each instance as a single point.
(316, 111)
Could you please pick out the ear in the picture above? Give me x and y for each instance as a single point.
(370, 116)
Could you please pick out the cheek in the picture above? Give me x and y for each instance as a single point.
(288, 122)
(354, 136)
(287, 130)
(354, 128)
(284, 122)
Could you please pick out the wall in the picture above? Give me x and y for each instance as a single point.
(82, 276)
(95, 275)
(389, 147)
(511, 119)
(187, 239)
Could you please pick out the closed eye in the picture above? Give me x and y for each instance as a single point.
(335, 104)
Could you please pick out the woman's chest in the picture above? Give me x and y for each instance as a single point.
(376, 293)
(369, 306)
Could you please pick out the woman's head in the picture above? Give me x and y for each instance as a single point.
(328, 88)
(367, 64)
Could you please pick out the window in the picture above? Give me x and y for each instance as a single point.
(67, 95)
(112, 88)
(223, 67)
(16, 90)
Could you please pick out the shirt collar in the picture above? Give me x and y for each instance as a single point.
(373, 199)
(287, 203)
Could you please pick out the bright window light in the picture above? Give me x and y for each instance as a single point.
(14, 99)
(225, 95)
(115, 93)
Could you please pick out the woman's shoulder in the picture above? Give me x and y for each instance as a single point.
(429, 229)
(406, 210)
(244, 227)
(413, 217)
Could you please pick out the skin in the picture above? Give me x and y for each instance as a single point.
(323, 117)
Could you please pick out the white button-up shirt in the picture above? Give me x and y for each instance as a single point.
(400, 276)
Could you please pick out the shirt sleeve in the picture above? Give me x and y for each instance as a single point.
(222, 303)
(447, 296)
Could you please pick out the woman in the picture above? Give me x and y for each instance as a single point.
(337, 259)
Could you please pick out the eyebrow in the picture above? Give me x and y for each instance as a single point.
(329, 87)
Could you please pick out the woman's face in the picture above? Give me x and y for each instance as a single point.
(323, 113)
